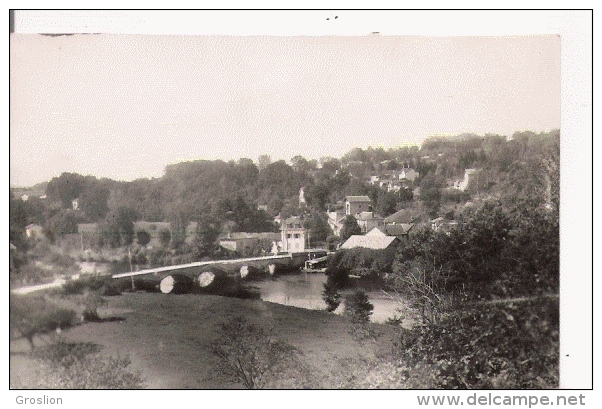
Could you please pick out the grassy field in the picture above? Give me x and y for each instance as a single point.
(167, 337)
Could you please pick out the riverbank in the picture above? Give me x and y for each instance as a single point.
(167, 337)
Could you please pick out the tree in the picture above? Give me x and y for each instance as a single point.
(250, 354)
(430, 192)
(93, 201)
(300, 164)
(206, 235)
(17, 221)
(330, 164)
(63, 222)
(387, 202)
(317, 196)
(119, 227)
(36, 315)
(332, 242)
(331, 296)
(65, 188)
(318, 227)
(350, 228)
(358, 308)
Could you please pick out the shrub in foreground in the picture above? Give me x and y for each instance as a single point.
(359, 310)
(34, 315)
(250, 354)
(81, 366)
(512, 345)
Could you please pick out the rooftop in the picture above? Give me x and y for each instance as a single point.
(370, 242)
(353, 199)
(401, 216)
(398, 229)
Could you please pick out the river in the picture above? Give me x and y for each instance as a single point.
(294, 289)
(305, 291)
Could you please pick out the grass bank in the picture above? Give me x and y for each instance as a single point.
(168, 337)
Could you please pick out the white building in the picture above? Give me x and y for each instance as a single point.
(293, 235)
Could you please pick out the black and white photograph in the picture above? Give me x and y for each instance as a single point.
(346, 207)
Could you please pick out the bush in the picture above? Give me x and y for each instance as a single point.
(358, 310)
(65, 353)
(331, 296)
(61, 260)
(81, 366)
(357, 307)
(490, 346)
(251, 355)
(85, 283)
(454, 196)
(362, 262)
(114, 287)
(34, 315)
(30, 274)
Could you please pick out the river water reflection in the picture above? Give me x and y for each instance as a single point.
(305, 291)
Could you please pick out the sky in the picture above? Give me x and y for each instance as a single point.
(125, 106)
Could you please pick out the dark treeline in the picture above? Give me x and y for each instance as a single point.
(227, 195)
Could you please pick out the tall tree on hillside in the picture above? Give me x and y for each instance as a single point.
(430, 192)
(387, 203)
(17, 221)
(207, 232)
(120, 226)
(317, 196)
(300, 164)
(65, 188)
(61, 223)
(93, 201)
(318, 227)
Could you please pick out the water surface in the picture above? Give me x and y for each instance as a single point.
(305, 291)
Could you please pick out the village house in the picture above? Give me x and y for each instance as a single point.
(372, 241)
(357, 204)
(377, 231)
(335, 221)
(399, 224)
(401, 216)
(368, 220)
(293, 235)
(401, 230)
